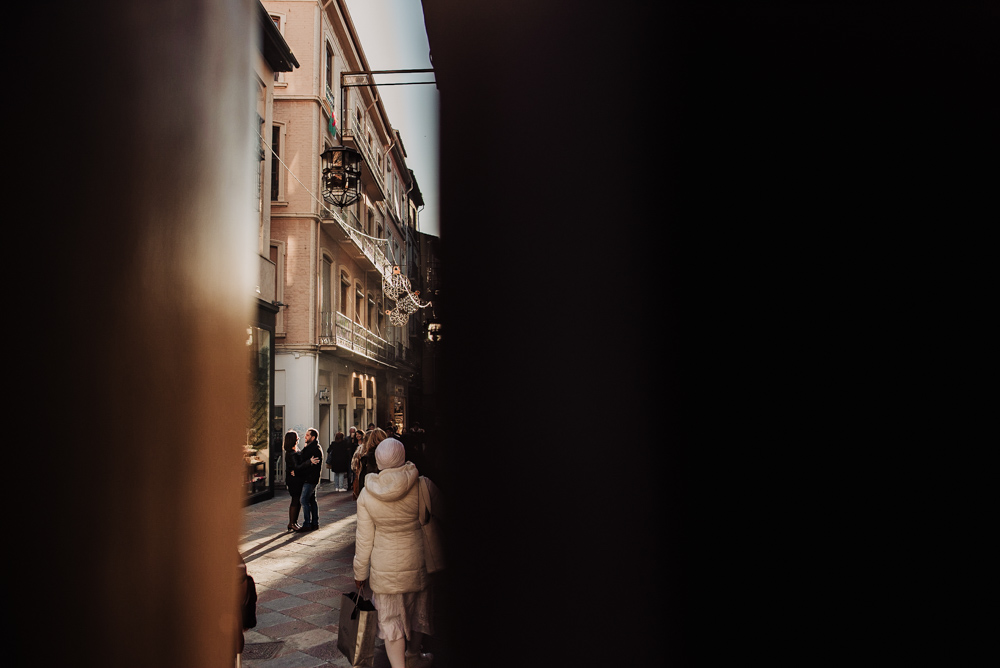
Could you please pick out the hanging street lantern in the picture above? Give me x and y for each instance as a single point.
(341, 175)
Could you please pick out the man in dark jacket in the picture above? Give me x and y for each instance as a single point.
(311, 457)
(338, 458)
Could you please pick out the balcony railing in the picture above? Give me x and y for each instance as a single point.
(338, 329)
(349, 222)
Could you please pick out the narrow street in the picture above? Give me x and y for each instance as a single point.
(300, 579)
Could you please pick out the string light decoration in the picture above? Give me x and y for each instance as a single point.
(397, 288)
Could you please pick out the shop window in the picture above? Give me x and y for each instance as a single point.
(256, 450)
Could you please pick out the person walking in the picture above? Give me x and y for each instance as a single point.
(389, 555)
(311, 458)
(338, 460)
(359, 440)
(363, 462)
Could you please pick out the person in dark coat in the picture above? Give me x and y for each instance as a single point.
(309, 468)
(338, 460)
(293, 482)
(356, 437)
(413, 445)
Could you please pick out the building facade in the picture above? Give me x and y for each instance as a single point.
(339, 362)
(262, 449)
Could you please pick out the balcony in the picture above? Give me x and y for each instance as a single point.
(348, 222)
(339, 330)
(356, 134)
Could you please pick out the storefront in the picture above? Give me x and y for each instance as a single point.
(258, 473)
(398, 407)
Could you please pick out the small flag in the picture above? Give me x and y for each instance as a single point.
(332, 125)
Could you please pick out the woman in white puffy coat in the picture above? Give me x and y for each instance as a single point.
(389, 555)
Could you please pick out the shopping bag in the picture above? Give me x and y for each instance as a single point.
(358, 626)
(428, 516)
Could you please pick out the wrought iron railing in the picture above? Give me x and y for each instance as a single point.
(338, 329)
(349, 222)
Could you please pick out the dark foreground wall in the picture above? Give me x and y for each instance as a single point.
(132, 253)
(692, 251)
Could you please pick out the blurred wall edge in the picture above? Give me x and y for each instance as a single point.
(561, 459)
(132, 229)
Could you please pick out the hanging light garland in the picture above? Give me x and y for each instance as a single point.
(397, 288)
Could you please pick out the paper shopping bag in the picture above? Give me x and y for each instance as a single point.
(358, 626)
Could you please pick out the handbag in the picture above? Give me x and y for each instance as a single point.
(433, 550)
(249, 607)
(356, 632)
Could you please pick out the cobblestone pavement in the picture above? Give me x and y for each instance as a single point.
(300, 579)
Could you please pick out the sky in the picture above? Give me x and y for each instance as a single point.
(393, 37)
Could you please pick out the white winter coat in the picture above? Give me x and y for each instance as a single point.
(389, 549)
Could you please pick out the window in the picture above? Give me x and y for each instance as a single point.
(329, 67)
(260, 167)
(327, 321)
(277, 170)
(261, 131)
(395, 195)
(279, 23)
(325, 208)
(359, 304)
(345, 287)
(371, 310)
(277, 256)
